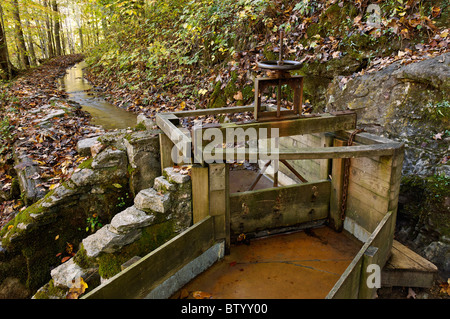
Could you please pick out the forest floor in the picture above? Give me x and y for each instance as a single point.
(56, 154)
(54, 150)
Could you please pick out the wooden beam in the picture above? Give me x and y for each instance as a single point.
(305, 125)
(180, 137)
(221, 110)
(347, 287)
(165, 149)
(405, 268)
(309, 153)
(139, 279)
(337, 178)
(219, 192)
(200, 192)
(278, 207)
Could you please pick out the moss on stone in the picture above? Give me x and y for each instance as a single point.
(152, 237)
(86, 164)
(427, 201)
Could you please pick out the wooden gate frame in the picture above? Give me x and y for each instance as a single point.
(211, 198)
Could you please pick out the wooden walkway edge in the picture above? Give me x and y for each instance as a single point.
(406, 268)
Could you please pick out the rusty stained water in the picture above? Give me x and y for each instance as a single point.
(103, 114)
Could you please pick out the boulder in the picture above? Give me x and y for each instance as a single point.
(149, 200)
(108, 241)
(84, 145)
(129, 219)
(110, 158)
(143, 154)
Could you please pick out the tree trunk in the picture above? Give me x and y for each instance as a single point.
(51, 52)
(57, 28)
(23, 54)
(4, 58)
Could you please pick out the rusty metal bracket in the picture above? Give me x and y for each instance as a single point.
(347, 174)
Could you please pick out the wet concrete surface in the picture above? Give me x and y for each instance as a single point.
(301, 265)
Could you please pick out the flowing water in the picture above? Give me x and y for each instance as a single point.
(103, 114)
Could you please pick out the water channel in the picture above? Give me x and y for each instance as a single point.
(103, 114)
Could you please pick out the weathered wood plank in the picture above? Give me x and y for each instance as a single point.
(308, 153)
(349, 283)
(405, 268)
(165, 147)
(322, 123)
(138, 280)
(221, 110)
(278, 207)
(179, 137)
(337, 178)
(200, 192)
(219, 192)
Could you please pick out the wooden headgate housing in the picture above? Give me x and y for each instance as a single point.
(314, 147)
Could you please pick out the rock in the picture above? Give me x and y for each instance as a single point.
(162, 185)
(399, 102)
(29, 178)
(130, 218)
(83, 177)
(149, 200)
(67, 273)
(438, 253)
(143, 154)
(109, 158)
(12, 288)
(174, 176)
(148, 123)
(105, 240)
(84, 145)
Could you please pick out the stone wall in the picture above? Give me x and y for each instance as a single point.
(120, 164)
(158, 214)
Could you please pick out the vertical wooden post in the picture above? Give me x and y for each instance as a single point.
(326, 140)
(200, 192)
(337, 178)
(165, 146)
(219, 201)
(370, 257)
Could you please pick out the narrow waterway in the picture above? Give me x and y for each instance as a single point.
(103, 114)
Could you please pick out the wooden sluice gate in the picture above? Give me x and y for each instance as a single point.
(320, 222)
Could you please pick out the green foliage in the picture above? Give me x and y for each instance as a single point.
(171, 40)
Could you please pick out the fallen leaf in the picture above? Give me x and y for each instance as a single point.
(238, 96)
(201, 295)
(65, 259)
(117, 185)
(77, 289)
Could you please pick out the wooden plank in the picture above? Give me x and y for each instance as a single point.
(221, 110)
(337, 178)
(370, 257)
(278, 207)
(165, 147)
(405, 268)
(322, 123)
(200, 192)
(179, 137)
(363, 138)
(219, 192)
(139, 279)
(348, 284)
(308, 153)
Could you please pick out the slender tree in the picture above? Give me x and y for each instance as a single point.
(23, 53)
(57, 28)
(4, 57)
